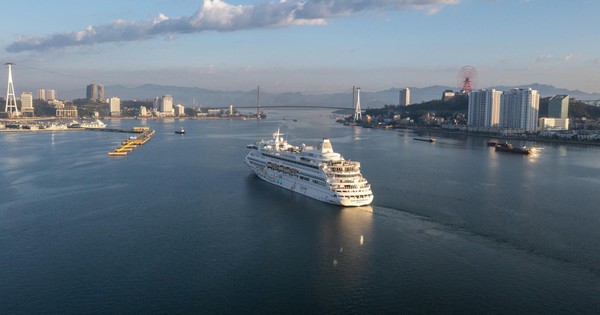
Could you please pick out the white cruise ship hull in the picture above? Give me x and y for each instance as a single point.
(319, 173)
(307, 189)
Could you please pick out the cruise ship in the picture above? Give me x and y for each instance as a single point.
(319, 173)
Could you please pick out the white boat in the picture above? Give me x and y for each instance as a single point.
(97, 124)
(319, 173)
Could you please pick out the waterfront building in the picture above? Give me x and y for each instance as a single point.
(165, 104)
(179, 110)
(41, 94)
(115, 106)
(550, 123)
(519, 109)
(558, 106)
(214, 112)
(27, 103)
(484, 108)
(143, 111)
(404, 97)
(66, 111)
(448, 95)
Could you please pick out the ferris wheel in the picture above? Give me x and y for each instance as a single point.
(467, 79)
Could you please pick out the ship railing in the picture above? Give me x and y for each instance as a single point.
(358, 180)
(331, 174)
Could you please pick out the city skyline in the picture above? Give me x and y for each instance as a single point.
(314, 46)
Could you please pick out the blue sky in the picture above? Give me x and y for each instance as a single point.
(309, 46)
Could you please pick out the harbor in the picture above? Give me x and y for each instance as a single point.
(439, 210)
(133, 142)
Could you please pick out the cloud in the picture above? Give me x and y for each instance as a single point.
(543, 58)
(569, 58)
(217, 15)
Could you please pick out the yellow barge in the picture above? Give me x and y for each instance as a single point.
(133, 142)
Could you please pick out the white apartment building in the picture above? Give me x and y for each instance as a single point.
(404, 97)
(50, 94)
(179, 110)
(484, 108)
(27, 103)
(115, 106)
(42, 94)
(143, 111)
(165, 104)
(519, 108)
(46, 94)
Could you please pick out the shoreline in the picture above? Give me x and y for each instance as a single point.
(496, 136)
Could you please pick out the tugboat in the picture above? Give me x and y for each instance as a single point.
(180, 131)
(507, 147)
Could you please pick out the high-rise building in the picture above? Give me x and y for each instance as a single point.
(41, 94)
(27, 103)
(165, 104)
(143, 111)
(484, 108)
(519, 108)
(558, 106)
(115, 106)
(100, 92)
(404, 97)
(50, 94)
(92, 92)
(180, 110)
(46, 94)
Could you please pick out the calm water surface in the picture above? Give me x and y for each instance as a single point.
(180, 225)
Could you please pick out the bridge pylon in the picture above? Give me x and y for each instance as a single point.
(11, 100)
(357, 110)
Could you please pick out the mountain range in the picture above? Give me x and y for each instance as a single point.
(191, 96)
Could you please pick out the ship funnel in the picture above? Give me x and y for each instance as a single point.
(325, 146)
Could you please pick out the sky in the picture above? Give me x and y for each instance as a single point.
(304, 46)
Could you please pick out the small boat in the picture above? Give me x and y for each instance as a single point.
(180, 131)
(425, 139)
(492, 143)
(507, 147)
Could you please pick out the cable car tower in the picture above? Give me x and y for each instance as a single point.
(11, 100)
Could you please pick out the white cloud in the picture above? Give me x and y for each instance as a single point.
(569, 58)
(543, 58)
(218, 15)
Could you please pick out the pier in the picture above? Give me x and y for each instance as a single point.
(133, 142)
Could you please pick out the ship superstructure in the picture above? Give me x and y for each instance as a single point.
(319, 173)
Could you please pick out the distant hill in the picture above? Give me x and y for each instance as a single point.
(369, 99)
